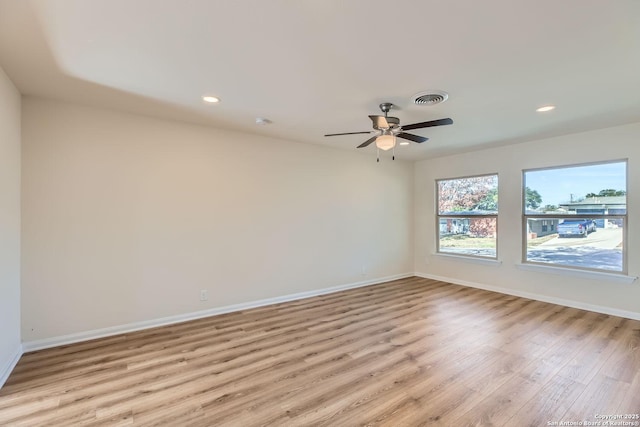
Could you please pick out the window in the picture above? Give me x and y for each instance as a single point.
(576, 216)
(547, 225)
(467, 216)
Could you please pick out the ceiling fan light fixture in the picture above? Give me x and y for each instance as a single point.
(386, 142)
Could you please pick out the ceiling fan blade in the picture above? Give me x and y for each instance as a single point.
(379, 122)
(367, 142)
(412, 137)
(429, 124)
(347, 133)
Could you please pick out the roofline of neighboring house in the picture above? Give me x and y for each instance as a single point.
(599, 205)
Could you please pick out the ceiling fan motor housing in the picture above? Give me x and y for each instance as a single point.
(393, 122)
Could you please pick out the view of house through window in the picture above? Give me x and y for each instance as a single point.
(576, 216)
(467, 217)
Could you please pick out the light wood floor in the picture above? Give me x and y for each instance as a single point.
(409, 352)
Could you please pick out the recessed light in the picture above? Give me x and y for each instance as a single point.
(404, 143)
(545, 108)
(211, 99)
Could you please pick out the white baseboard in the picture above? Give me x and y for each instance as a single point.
(147, 324)
(537, 297)
(7, 367)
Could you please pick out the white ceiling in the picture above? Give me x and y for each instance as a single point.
(321, 66)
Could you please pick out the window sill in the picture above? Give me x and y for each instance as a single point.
(593, 275)
(469, 259)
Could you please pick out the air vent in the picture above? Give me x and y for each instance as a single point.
(430, 97)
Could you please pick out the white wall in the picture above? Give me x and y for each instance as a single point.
(606, 144)
(127, 218)
(10, 347)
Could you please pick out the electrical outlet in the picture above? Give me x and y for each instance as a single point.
(204, 295)
(364, 270)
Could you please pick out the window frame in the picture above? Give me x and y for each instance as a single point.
(623, 217)
(465, 216)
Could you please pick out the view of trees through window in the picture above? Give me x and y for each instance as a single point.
(468, 215)
(575, 216)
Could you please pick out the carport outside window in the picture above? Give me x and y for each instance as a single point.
(576, 216)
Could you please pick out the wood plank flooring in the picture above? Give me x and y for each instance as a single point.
(404, 353)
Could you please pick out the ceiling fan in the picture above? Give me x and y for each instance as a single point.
(386, 129)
